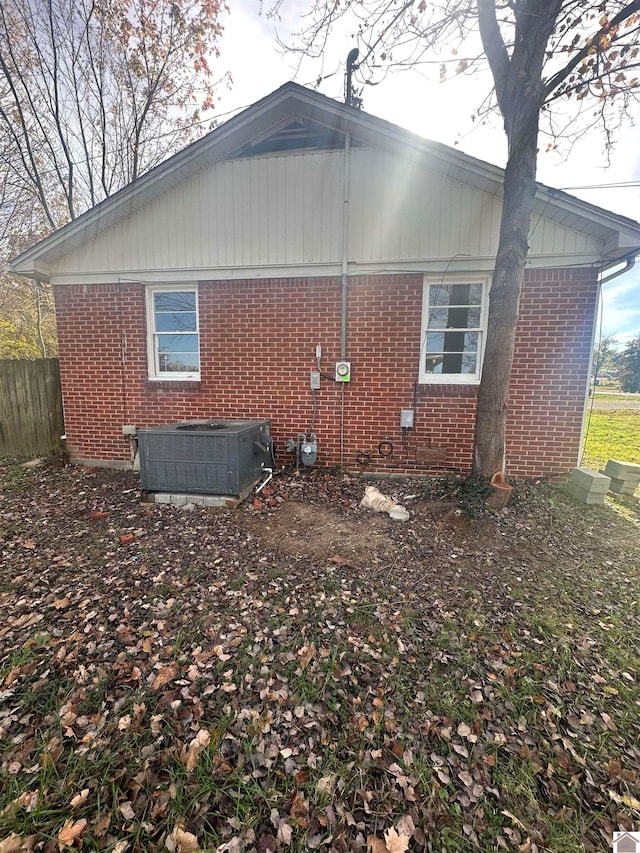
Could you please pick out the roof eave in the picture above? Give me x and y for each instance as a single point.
(29, 267)
(222, 141)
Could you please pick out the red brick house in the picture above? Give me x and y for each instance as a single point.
(301, 234)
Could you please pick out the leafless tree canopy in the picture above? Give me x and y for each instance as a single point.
(591, 53)
(91, 96)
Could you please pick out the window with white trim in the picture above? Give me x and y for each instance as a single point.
(173, 333)
(454, 322)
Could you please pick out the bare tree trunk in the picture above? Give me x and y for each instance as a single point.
(519, 90)
(504, 302)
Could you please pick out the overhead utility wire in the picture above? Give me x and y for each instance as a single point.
(611, 186)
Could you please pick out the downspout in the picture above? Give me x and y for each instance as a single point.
(345, 278)
(345, 244)
(629, 264)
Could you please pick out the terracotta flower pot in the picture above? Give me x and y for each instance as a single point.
(500, 491)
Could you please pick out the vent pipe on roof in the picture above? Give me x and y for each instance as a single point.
(351, 99)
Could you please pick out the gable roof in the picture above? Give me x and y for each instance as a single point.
(294, 117)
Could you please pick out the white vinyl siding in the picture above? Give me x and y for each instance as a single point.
(286, 210)
(454, 322)
(173, 333)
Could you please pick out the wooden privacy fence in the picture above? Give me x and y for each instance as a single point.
(31, 420)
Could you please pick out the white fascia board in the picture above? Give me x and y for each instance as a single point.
(176, 276)
(622, 243)
(35, 270)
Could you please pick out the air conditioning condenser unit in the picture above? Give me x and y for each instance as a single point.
(205, 456)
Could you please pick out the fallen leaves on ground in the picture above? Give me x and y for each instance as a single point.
(70, 831)
(304, 675)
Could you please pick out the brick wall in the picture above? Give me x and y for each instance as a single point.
(550, 370)
(258, 341)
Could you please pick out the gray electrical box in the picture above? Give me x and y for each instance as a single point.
(314, 380)
(406, 418)
(214, 457)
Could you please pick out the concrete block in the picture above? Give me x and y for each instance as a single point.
(192, 501)
(623, 487)
(584, 495)
(622, 470)
(215, 500)
(591, 481)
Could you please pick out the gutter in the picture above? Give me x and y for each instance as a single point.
(629, 262)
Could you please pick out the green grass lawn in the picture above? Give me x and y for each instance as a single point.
(612, 435)
(610, 396)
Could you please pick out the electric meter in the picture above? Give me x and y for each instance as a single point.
(343, 371)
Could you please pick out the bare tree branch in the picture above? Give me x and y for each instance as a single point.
(624, 14)
(91, 96)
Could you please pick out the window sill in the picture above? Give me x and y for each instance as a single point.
(172, 385)
(447, 389)
(453, 379)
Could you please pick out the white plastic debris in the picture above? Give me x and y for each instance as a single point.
(399, 513)
(375, 500)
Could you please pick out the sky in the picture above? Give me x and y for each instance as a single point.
(440, 112)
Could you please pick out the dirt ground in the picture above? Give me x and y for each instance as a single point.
(322, 519)
(301, 531)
